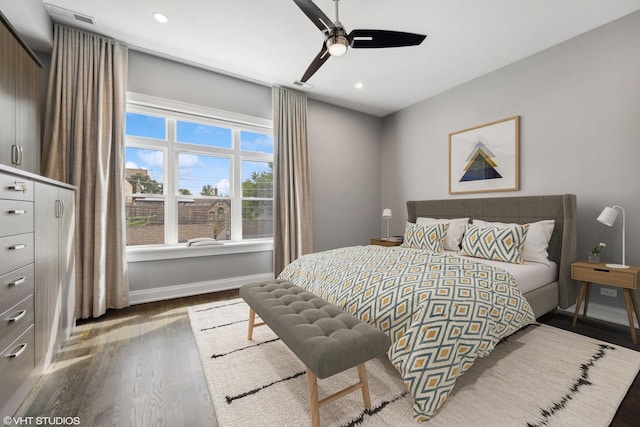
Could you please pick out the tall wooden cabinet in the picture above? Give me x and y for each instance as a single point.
(37, 279)
(54, 269)
(37, 220)
(21, 75)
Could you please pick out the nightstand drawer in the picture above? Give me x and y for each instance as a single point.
(15, 321)
(604, 275)
(380, 241)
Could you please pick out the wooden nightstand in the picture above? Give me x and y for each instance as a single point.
(626, 279)
(380, 242)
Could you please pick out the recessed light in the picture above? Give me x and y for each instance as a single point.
(359, 85)
(160, 17)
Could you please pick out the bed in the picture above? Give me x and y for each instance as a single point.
(442, 311)
(562, 246)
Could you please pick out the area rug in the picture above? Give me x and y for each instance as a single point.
(540, 376)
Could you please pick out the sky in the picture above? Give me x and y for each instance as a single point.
(195, 170)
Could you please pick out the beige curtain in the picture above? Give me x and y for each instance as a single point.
(83, 144)
(293, 234)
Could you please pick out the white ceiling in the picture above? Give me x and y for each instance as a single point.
(273, 42)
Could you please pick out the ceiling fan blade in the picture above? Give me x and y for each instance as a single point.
(370, 39)
(317, 62)
(315, 14)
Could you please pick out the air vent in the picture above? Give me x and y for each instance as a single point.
(304, 85)
(60, 13)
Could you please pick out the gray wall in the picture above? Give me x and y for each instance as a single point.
(155, 76)
(344, 162)
(579, 104)
(344, 153)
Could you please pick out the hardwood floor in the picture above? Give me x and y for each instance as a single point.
(139, 367)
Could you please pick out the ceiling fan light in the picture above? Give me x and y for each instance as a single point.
(337, 45)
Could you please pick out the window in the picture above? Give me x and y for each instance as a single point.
(191, 175)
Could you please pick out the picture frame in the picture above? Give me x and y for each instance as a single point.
(485, 158)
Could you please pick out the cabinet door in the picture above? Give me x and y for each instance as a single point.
(66, 262)
(28, 121)
(8, 52)
(47, 301)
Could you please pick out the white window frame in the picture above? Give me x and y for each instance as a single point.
(173, 110)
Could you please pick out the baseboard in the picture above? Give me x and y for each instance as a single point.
(604, 312)
(189, 289)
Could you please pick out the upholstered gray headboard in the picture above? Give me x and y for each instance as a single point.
(561, 208)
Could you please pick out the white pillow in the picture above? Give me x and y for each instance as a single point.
(454, 235)
(537, 242)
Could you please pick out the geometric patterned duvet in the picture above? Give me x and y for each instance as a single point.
(440, 311)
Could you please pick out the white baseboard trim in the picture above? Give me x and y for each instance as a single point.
(189, 289)
(603, 312)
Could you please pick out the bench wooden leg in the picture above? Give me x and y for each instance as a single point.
(314, 404)
(252, 319)
(362, 374)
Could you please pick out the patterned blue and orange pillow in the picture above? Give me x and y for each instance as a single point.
(495, 243)
(429, 237)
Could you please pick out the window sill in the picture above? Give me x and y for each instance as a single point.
(154, 253)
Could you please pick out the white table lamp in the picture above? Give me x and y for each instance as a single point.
(386, 214)
(608, 217)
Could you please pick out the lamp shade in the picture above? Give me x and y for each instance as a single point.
(608, 216)
(386, 213)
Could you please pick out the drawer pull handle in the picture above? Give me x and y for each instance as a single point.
(603, 270)
(17, 212)
(21, 348)
(18, 282)
(17, 247)
(18, 316)
(18, 186)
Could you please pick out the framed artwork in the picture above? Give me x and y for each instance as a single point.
(485, 158)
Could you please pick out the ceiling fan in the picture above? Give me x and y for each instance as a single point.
(336, 39)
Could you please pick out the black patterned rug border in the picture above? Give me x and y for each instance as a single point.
(372, 411)
(582, 381)
(231, 399)
(234, 302)
(215, 356)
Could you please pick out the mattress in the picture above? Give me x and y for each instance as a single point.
(529, 276)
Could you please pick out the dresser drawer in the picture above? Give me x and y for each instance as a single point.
(15, 252)
(16, 286)
(15, 188)
(15, 321)
(16, 217)
(17, 361)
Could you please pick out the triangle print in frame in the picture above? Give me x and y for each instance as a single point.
(485, 158)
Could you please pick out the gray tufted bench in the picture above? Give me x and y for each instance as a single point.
(325, 338)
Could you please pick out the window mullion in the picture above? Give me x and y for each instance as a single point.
(236, 195)
(171, 198)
